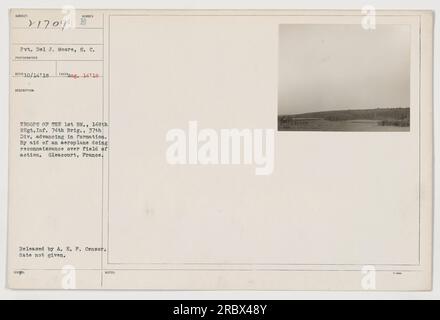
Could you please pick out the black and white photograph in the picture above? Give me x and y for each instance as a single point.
(344, 78)
(219, 158)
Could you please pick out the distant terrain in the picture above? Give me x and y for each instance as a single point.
(379, 119)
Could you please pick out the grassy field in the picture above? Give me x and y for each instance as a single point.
(380, 119)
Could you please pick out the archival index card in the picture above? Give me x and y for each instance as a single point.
(217, 150)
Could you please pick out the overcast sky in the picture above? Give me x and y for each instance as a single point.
(332, 67)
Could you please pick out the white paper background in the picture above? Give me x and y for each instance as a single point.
(206, 4)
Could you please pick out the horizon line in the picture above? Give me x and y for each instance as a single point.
(335, 110)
